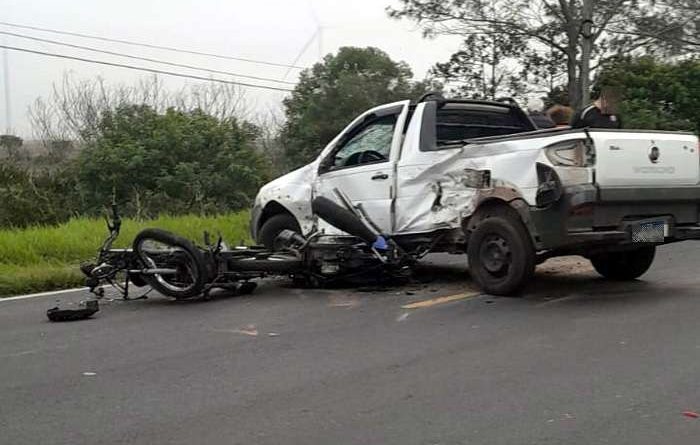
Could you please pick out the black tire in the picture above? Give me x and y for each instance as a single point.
(500, 252)
(274, 226)
(624, 266)
(189, 262)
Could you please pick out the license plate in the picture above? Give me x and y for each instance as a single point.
(650, 232)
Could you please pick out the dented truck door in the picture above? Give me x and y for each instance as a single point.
(361, 163)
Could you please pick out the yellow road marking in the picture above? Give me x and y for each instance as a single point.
(440, 300)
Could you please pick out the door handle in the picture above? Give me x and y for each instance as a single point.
(380, 177)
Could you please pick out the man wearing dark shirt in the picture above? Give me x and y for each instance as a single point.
(600, 114)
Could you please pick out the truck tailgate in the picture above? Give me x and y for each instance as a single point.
(630, 159)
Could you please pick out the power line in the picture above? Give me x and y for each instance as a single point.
(138, 68)
(146, 59)
(148, 45)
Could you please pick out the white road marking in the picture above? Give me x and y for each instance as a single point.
(19, 354)
(43, 294)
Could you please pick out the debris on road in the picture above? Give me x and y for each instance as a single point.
(250, 330)
(340, 301)
(691, 414)
(88, 309)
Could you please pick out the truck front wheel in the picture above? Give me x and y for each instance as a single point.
(501, 255)
(274, 226)
(626, 265)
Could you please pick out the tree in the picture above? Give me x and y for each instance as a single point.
(74, 109)
(480, 69)
(658, 95)
(172, 162)
(333, 92)
(583, 33)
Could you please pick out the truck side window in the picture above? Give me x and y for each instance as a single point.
(370, 143)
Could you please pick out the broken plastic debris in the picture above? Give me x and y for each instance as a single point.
(691, 414)
(89, 374)
(85, 310)
(273, 334)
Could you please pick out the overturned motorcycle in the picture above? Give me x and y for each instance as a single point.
(179, 269)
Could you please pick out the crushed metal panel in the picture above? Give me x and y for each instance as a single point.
(440, 194)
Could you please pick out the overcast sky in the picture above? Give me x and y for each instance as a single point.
(272, 30)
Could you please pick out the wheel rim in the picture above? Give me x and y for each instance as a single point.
(495, 256)
(153, 252)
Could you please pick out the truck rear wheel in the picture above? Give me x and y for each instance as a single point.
(626, 265)
(500, 252)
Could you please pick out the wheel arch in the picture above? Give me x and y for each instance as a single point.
(511, 201)
(271, 209)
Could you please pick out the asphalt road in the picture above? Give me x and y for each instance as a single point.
(577, 361)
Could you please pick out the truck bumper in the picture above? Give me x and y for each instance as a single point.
(588, 216)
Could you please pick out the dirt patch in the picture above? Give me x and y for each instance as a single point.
(566, 265)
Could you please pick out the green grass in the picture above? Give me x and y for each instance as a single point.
(39, 259)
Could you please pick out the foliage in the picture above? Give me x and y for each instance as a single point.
(554, 34)
(42, 258)
(74, 109)
(480, 68)
(174, 162)
(658, 95)
(330, 94)
(43, 196)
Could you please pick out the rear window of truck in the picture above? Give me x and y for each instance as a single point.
(453, 123)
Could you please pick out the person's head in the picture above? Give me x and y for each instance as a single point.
(609, 100)
(560, 115)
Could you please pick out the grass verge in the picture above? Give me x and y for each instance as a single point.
(38, 259)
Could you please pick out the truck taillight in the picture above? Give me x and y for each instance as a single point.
(574, 153)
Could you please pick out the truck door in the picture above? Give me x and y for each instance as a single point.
(361, 163)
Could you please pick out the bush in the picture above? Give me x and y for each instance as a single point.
(173, 162)
(658, 95)
(37, 197)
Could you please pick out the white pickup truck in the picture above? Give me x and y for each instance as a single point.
(477, 177)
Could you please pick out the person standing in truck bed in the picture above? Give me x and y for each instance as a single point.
(603, 113)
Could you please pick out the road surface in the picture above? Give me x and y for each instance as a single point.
(577, 361)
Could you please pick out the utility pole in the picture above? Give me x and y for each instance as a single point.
(6, 79)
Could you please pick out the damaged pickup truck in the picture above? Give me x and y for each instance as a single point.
(476, 177)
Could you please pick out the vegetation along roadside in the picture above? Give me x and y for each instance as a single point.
(42, 258)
